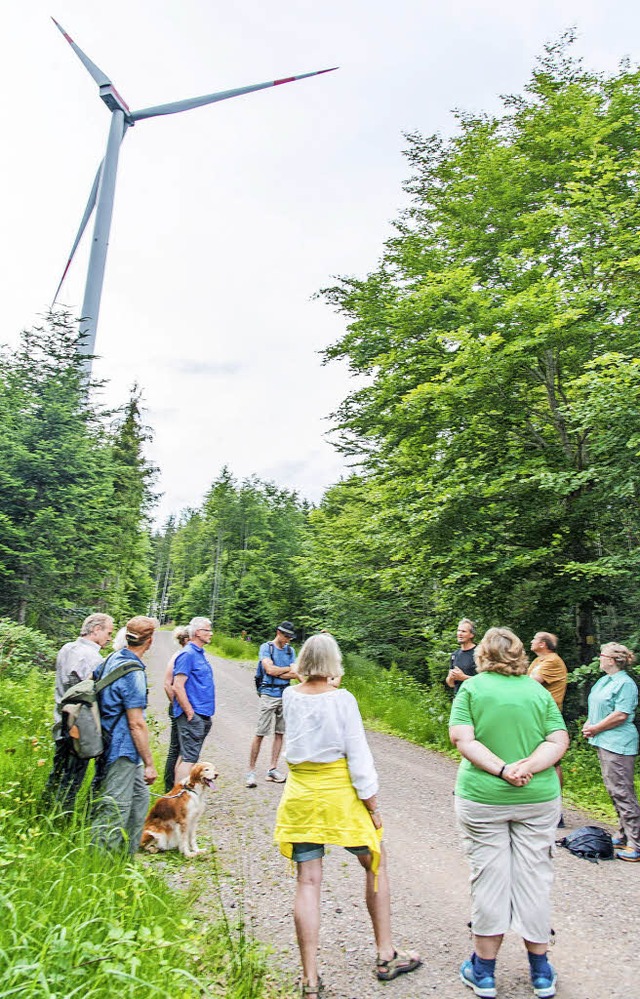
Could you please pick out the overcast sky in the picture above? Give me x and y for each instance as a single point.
(229, 218)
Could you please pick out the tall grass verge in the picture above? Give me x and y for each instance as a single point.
(232, 648)
(77, 922)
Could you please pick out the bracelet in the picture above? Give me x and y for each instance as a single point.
(503, 769)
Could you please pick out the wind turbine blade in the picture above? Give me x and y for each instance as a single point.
(101, 79)
(83, 225)
(223, 95)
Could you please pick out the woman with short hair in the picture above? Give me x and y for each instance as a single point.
(331, 797)
(510, 734)
(610, 728)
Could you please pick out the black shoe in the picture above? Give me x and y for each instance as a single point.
(562, 824)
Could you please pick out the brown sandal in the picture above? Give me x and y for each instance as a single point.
(313, 990)
(399, 964)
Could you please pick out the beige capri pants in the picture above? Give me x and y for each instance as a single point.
(509, 848)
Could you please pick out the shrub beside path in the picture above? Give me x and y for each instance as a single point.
(597, 907)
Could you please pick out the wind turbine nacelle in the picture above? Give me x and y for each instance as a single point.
(113, 100)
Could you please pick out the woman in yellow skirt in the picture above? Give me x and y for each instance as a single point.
(331, 797)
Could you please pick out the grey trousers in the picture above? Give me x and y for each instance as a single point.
(617, 774)
(509, 848)
(120, 811)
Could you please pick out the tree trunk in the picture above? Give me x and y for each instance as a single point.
(585, 631)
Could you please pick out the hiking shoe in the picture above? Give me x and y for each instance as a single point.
(628, 854)
(484, 987)
(561, 823)
(619, 840)
(275, 776)
(251, 780)
(544, 986)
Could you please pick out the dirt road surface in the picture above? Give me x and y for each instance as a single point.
(596, 907)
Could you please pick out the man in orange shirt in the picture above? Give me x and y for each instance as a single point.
(549, 670)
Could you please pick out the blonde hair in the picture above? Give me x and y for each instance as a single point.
(139, 630)
(621, 655)
(501, 651)
(320, 656)
(181, 634)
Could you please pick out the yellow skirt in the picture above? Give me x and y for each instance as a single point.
(320, 805)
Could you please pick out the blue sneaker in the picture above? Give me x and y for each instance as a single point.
(544, 986)
(484, 987)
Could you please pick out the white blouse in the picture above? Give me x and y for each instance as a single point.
(322, 728)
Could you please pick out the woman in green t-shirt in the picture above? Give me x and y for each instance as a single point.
(510, 734)
(610, 728)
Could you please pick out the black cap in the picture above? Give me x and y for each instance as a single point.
(287, 629)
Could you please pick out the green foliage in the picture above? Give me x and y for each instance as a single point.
(233, 648)
(234, 559)
(78, 922)
(394, 702)
(498, 421)
(73, 490)
(22, 649)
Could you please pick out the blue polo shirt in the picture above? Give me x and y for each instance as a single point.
(199, 685)
(129, 691)
(284, 658)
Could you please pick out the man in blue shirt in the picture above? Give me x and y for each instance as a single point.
(122, 807)
(195, 696)
(277, 658)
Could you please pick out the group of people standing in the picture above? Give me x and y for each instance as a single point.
(505, 720)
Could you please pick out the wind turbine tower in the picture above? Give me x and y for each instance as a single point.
(103, 190)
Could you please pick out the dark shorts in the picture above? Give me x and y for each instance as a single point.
(191, 735)
(313, 851)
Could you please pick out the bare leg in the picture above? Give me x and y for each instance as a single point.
(275, 750)
(379, 905)
(255, 751)
(536, 948)
(307, 917)
(487, 947)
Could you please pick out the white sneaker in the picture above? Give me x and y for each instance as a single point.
(275, 776)
(251, 780)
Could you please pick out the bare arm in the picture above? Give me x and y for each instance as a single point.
(463, 738)
(372, 807)
(181, 695)
(167, 682)
(611, 721)
(546, 755)
(140, 736)
(283, 672)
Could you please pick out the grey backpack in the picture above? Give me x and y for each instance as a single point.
(80, 706)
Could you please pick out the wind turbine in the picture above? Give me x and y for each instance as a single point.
(102, 192)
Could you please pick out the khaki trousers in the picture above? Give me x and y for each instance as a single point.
(509, 848)
(617, 774)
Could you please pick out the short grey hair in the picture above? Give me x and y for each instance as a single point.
(196, 623)
(320, 656)
(94, 621)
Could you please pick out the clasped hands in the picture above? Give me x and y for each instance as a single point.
(518, 774)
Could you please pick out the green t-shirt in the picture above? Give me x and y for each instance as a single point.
(511, 716)
(615, 692)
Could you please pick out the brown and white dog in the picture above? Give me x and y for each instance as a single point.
(172, 822)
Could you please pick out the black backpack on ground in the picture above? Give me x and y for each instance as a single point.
(590, 842)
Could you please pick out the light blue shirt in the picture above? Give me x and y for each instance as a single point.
(615, 692)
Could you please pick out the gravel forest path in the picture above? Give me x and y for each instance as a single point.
(596, 907)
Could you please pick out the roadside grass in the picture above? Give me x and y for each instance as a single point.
(76, 922)
(390, 701)
(232, 648)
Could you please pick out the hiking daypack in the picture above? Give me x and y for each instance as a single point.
(80, 705)
(261, 678)
(590, 842)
